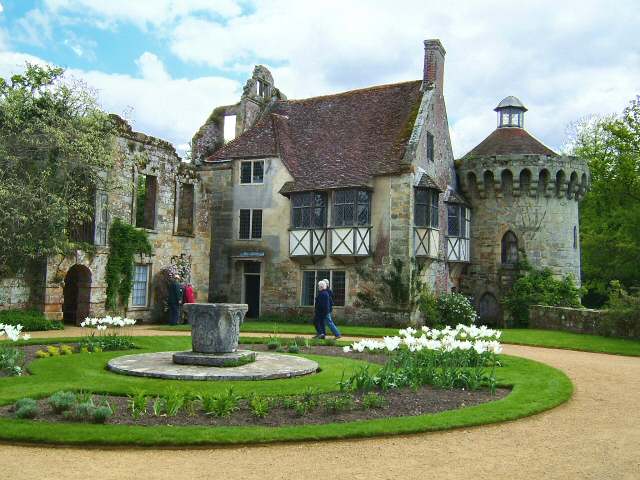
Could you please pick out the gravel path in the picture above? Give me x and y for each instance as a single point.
(596, 435)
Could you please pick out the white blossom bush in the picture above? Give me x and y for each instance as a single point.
(107, 333)
(460, 357)
(11, 357)
(454, 308)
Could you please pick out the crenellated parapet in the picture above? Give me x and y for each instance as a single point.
(522, 175)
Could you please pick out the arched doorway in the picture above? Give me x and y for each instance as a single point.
(77, 294)
(489, 309)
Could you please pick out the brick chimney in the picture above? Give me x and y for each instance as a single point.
(434, 54)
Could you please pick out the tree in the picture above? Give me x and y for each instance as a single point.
(55, 146)
(610, 213)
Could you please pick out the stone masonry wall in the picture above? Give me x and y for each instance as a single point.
(578, 320)
(14, 293)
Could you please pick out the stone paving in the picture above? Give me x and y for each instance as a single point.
(267, 366)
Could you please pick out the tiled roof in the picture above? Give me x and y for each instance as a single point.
(506, 141)
(334, 141)
(428, 182)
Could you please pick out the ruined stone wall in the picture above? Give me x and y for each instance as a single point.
(14, 293)
(139, 155)
(580, 320)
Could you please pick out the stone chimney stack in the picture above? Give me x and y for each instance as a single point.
(434, 54)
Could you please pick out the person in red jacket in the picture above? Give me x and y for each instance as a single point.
(189, 294)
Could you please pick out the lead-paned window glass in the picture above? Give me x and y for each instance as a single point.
(245, 224)
(425, 210)
(102, 219)
(309, 210)
(140, 288)
(252, 171)
(338, 286)
(308, 287)
(256, 224)
(352, 207)
(453, 220)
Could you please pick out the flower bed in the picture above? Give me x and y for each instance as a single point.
(11, 357)
(107, 334)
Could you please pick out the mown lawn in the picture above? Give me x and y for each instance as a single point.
(535, 387)
(517, 336)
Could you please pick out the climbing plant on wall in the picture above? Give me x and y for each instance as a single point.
(124, 242)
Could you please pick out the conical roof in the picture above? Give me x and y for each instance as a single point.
(510, 141)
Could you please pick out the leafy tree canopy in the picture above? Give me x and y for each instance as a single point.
(55, 145)
(610, 213)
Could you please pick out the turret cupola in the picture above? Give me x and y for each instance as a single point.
(510, 112)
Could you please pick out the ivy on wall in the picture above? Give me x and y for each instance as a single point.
(124, 242)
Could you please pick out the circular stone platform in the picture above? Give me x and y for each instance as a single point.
(267, 366)
(231, 359)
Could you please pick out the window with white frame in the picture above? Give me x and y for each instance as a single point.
(252, 172)
(337, 284)
(250, 224)
(140, 288)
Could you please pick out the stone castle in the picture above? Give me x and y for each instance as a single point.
(337, 187)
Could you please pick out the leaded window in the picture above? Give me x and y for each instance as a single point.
(430, 148)
(309, 210)
(250, 224)
(252, 171)
(351, 208)
(509, 248)
(425, 211)
(140, 288)
(458, 219)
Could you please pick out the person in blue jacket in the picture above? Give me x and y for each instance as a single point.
(322, 309)
(329, 320)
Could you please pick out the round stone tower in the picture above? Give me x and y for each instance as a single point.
(524, 199)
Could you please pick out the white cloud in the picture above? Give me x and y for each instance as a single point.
(169, 108)
(143, 13)
(1, 8)
(35, 28)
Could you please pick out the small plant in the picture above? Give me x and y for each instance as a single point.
(302, 342)
(26, 408)
(174, 402)
(301, 408)
(84, 396)
(293, 348)
(53, 351)
(82, 411)
(84, 349)
(339, 403)
(222, 405)
(159, 406)
(289, 403)
(11, 359)
(373, 400)
(138, 404)
(66, 350)
(273, 343)
(102, 414)
(259, 406)
(62, 401)
(42, 354)
(191, 406)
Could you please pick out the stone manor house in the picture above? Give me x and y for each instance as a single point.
(333, 187)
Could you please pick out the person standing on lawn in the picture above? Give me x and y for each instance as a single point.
(332, 325)
(322, 309)
(174, 299)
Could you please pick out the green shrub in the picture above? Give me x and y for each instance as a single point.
(83, 411)
(11, 360)
(26, 408)
(62, 401)
(539, 287)
(66, 350)
(622, 317)
(42, 354)
(106, 343)
(339, 403)
(373, 400)
(428, 306)
(53, 351)
(455, 308)
(222, 405)
(138, 404)
(273, 343)
(25, 402)
(102, 414)
(259, 406)
(31, 320)
(293, 348)
(174, 401)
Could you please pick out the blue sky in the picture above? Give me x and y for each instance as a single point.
(165, 64)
